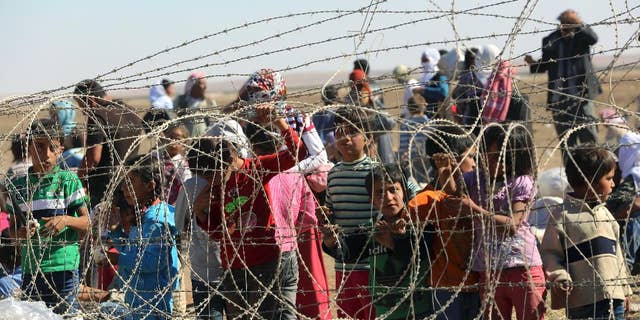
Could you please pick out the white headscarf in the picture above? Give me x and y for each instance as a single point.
(485, 62)
(429, 69)
(231, 131)
(452, 62)
(159, 98)
(629, 156)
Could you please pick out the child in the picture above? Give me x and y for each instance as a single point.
(204, 253)
(348, 204)
(391, 255)
(48, 215)
(234, 209)
(587, 254)
(505, 249)
(176, 168)
(148, 260)
(455, 284)
(412, 134)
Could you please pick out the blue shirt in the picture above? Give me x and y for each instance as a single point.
(148, 261)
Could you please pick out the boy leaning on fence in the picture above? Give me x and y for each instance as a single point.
(48, 215)
(580, 249)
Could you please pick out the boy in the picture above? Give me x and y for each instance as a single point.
(349, 206)
(452, 153)
(394, 270)
(581, 241)
(48, 215)
(235, 211)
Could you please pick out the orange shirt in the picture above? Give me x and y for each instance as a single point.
(452, 241)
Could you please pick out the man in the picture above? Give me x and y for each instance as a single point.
(111, 131)
(572, 83)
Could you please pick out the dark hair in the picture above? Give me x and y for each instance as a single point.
(354, 117)
(416, 103)
(361, 64)
(448, 139)
(470, 58)
(519, 157)
(148, 169)
(45, 128)
(388, 173)
(330, 94)
(74, 140)
(205, 155)
(166, 83)
(442, 52)
(18, 147)
(588, 161)
(261, 139)
(90, 87)
(177, 125)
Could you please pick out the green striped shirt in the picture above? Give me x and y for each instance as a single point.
(348, 199)
(35, 197)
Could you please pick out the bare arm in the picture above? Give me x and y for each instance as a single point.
(91, 159)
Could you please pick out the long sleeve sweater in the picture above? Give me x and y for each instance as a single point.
(581, 245)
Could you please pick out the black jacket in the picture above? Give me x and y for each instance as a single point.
(578, 56)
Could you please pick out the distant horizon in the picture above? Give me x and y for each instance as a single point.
(53, 44)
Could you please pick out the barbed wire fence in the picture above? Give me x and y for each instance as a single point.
(162, 266)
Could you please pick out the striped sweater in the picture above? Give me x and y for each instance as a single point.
(348, 199)
(581, 245)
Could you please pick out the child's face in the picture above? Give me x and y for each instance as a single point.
(388, 198)
(350, 142)
(365, 98)
(492, 157)
(604, 186)
(137, 191)
(45, 153)
(468, 161)
(175, 139)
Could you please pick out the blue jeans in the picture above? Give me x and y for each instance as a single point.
(631, 242)
(604, 309)
(465, 305)
(58, 290)
(207, 299)
(288, 284)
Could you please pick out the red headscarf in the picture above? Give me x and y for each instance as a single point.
(360, 81)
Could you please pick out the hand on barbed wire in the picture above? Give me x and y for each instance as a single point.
(28, 231)
(444, 162)
(54, 225)
(463, 205)
(529, 59)
(265, 113)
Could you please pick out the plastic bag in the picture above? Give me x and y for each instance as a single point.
(13, 309)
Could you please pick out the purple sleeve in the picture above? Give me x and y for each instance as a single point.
(524, 189)
(471, 186)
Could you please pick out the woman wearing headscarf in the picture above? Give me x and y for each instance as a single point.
(161, 104)
(469, 90)
(64, 112)
(496, 76)
(193, 101)
(434, 84)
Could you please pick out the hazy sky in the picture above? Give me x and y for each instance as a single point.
(49, 44)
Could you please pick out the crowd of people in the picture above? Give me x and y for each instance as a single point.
(240, 203)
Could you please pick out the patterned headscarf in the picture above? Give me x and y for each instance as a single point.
(264, 85)
(191, 81)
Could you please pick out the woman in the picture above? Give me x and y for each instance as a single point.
(434, 84)
(192, 101)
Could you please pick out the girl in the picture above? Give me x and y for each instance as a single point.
(504, 246)
(148, 260)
